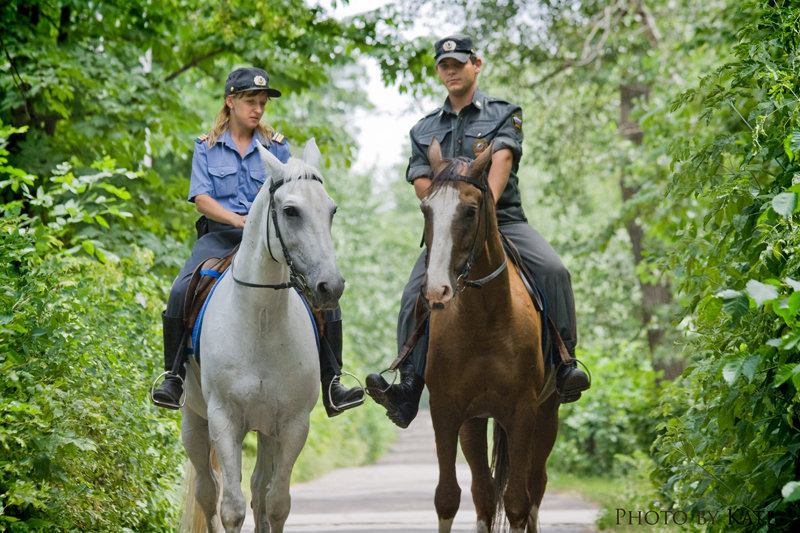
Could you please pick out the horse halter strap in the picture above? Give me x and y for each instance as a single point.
(462, 276)
(296, 279)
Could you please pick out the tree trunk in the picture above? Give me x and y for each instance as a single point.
(654, 295)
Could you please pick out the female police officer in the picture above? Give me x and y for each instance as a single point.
(226, 176)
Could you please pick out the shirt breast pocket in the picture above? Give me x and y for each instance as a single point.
(258, 177)
(477, 137)
(426, 138)
(224, 180)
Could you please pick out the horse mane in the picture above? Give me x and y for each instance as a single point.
(297, 169)
(454, 167)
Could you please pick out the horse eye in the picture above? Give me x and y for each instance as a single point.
(291, 211)
(470, 211)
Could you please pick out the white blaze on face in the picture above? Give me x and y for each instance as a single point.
(442, 204)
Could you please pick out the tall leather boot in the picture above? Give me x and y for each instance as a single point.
(169, 393)
(335, 397)
(401, 401)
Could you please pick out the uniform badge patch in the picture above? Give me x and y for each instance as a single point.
(260, 81)
(202, 138)
(479, 146)
(449, 46)
(517, 121)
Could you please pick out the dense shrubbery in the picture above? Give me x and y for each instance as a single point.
(81, 449)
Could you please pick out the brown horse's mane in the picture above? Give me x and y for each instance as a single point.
(453, 171)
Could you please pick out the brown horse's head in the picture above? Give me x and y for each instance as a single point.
(457, 208)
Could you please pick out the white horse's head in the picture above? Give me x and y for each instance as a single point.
(300, 214)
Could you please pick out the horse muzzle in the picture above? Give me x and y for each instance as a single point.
(324, 292)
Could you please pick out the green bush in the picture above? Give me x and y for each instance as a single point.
(609, 423)
(81, 449)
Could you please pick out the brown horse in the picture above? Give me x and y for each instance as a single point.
(484, 354)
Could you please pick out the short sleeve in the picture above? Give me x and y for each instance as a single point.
(200, 181)
(509, 134)
(418, 165)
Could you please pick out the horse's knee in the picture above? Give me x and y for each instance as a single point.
(446, 500)
(232, 511)
(517, 508)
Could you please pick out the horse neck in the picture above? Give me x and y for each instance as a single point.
(254, 263)
(491, 253)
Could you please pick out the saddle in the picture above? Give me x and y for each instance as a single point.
(202, 281)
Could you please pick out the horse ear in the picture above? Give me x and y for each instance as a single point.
(435, 157)
(271, 163)
(311, 154)
(477, 167)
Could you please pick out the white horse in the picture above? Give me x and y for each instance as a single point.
(258, 349)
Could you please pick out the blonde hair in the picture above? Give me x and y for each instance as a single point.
(221, 124)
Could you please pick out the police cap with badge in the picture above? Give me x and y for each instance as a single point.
(457, 46)
(249, 79)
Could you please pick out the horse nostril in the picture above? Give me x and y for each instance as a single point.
(322, 288)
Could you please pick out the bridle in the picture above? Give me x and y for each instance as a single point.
(296, 279)
(462, 275)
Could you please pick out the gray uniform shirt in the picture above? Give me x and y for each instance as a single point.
(467, 134)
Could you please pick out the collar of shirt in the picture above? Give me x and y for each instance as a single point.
(478, 101)
(227, 140)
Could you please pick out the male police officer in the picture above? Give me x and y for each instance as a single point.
(465, 125)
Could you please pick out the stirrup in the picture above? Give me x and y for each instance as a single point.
(181, 400)
(346, 405)
(395, 372)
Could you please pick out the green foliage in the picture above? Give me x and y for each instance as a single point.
(730, 431)
(81, 449)
(596, 434)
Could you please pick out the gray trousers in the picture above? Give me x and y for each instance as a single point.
(550, 275)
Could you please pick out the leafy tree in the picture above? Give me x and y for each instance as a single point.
(730, 432)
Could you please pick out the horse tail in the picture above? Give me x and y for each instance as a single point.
(500, 474)
(193, 520)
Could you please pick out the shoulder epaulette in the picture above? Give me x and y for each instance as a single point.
(277, 137)
(202, 138)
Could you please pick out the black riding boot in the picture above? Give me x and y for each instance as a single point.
(570, 380)
(335, 397)
(169, 393)
(401, 400)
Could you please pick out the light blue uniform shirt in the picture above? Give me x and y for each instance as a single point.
(230, 179)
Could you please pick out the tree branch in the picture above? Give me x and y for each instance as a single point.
(193, 63)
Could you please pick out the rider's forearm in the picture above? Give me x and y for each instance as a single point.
(209, 207)
(421, 186)
(499, 171)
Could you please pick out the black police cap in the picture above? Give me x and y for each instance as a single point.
(457, 46)
(249, 79)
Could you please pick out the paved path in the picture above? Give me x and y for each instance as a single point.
(396, 495)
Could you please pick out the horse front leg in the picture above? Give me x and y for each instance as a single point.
(546, 431)
(259, 483)
(448, 494)
(194, 434)
(473, 443)
(291, 439)
(227, 435)
(517, 500)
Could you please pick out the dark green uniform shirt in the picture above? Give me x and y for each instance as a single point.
(467, 134)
